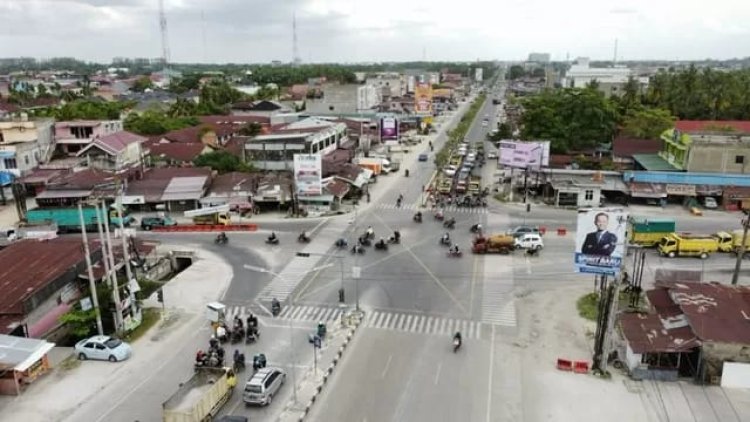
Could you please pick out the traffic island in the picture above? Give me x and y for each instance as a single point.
(313, 381)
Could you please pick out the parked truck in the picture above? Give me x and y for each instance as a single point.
(218, 215)
(200, 398)
(376, 164)
(496, 243)
(69, 219)
(688, 244)
(475, 185)
(649, 231)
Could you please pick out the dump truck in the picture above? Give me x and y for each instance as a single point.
(218, 215)
(68, 219)
(475, 185)
(649, 231)
(730, 242)
(444, 186)
(688, 244)
(496, 243)
(200, 398)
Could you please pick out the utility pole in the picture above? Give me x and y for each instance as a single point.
(90, 270)
(741, 251)
(126, 257)
(109, 270)
(111, 257)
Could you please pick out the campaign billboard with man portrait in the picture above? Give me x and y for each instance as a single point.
(600, 240)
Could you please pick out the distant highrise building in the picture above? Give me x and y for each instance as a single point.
(539, 57)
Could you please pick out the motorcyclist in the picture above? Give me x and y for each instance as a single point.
(418, 216)
(381, 243)
(454, 249)
(476, 227)
(222, 237)
(303, 236)
(398, 202)
(439, 214)
(272, 237)
(341, 242)
(396, 235)
(275, 306)
(446, 238)
(450, 222)
(221, 333)
(457, 337)
(370, 232)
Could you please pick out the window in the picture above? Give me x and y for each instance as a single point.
(26, 159)
(739, 159)
(589, 195)
(10, 163)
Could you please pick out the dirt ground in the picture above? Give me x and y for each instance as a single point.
(550, 328)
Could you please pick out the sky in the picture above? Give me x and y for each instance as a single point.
(259, 31)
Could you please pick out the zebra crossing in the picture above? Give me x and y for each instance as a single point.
(452, 209)
(395, 321)
(284, 283)
(498, 307)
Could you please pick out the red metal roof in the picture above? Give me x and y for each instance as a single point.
(689, 126)
(178, 151)
(626, 147)
(716, 312)
(27, 266)
(645, 333)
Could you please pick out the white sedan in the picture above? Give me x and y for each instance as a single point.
(491, 155)
(102, 348)
(450, 170)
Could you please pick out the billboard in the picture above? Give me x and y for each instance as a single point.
(308, 174)
(423, 99)
(388, 128)
(600, 240)
(478, 74)
(532, 154)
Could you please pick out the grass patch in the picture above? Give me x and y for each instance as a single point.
(150, 317)
(71, 362)
(588, 305)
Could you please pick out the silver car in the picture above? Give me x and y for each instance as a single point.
(263, 385)
(102, 348)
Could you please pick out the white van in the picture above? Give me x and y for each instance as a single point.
(263, 385)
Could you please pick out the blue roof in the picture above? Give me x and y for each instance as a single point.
(686, 178)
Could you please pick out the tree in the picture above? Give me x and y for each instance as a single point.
(222, 161)
(154, 122)
(647, 123)
(80, 323)
(573, 119)
(83, 109)
(251, 129)
(141, 84)
(516, 71)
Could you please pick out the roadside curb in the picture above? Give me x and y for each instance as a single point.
(357, 321)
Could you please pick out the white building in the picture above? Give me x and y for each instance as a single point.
(390, 81)
(24, 144)
(539, 57)
(345, 99)
(611, 80)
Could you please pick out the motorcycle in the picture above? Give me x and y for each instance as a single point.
(406, 172)
(449, 224)
(275, 308)
(445, 241)
(454, 254)
(221, 240)
(393, 240)
(417, 218)
(365, 241)
(272, 241)
(476, 228)
(456, 344)
(358, 249)
(239, 361)
(381, 246)
(341, 243)
(238, 334)
(439, 216)
(252, 335)
(532, 251)
(303, 238)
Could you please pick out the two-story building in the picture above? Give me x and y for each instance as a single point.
(708, 146)
(73, 136)
(275, 150)
(116, 152)
(24, 144)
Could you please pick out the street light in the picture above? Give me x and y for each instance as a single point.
(291, 327)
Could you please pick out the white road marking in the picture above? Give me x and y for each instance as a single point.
(437, 373)
(387, 365)
(492, 364)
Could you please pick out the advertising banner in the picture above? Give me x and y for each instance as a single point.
(478, 74)
(308, 174)
(388, 128)
(600, 240)
(423, 99)
(524, 154)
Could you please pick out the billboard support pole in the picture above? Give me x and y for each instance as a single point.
(525, 184)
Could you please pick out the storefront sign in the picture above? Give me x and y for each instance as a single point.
(683, 190)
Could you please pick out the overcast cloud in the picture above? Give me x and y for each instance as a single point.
(376, 30)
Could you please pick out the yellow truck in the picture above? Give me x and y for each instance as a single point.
(444, 186)
(649, 231)
(217, 215)
(475, 185)
(200, 398)
(731, 241)
(688, 244)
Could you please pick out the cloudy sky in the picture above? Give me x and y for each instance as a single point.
(376, 30)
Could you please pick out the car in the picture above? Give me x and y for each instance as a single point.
(521, 230)
(461, 152)
(529, 241)
(423, 157)
(464, 174)
(485, 123)
(147, 223)
(491, 154)
(450, 170)
(102, 348)
(710, 203)
(263, 385)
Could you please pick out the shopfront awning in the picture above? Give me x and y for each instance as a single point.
(653, 162)
(20, 353)
(58, 194)
(647, 190)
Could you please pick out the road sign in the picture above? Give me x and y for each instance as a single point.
(356, 272)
